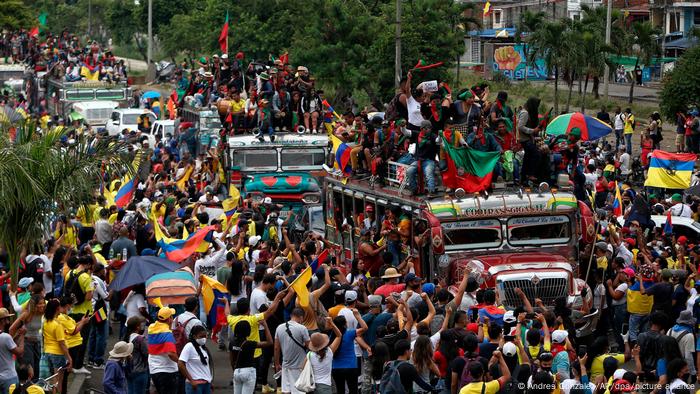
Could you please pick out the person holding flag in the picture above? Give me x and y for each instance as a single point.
(162, 354)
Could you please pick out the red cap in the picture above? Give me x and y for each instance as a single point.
(631, 241)
(625, 230)
(611, 185)
(682, 240)
(473, 327)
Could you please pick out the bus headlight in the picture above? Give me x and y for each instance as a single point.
(311, 198)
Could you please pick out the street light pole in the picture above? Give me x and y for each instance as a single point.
(397, 59)
(608, 28)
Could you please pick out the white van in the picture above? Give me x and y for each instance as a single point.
(94, 113)
(126, 118)
(681, 226)
(160, 129)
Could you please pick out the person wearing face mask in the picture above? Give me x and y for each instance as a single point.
(195, 363)
(138, 362)
(114, 380)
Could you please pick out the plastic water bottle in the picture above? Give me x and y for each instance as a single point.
(124, 256)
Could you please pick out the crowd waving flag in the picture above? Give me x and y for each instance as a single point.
(423, 65)
(179, 249)
(617, 202)
(670, 170)
(299, 286)
(125, 193)
(467, 168)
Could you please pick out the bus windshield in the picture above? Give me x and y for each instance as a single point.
(472, 234)
(539, 230)
(302, 159)
(255, 159)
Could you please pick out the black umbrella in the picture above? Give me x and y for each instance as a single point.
(693, 190)
(139, 269)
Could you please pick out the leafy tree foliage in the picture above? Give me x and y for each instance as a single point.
(681, 88)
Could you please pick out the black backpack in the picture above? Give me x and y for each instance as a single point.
(32, 269)
(391, 379)
(72, 287)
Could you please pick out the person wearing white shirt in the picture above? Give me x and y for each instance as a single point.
(679, 208)
(188, 320)
(194, 363)
(624, 159)
(212, 262)
(97, 341)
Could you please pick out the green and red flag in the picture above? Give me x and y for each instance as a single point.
(468, 168)
(423, 65)
(34, 32)
(223, 37)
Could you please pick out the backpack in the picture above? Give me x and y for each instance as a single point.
(180, 336)
(72, 287)
(391, 379)
(466, 377)
(32, 269)
(392, 111)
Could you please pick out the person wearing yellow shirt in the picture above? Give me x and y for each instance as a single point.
(67, 232)
(56, 354)
(479, 385)
(629, 129)
(599, 351)
(81, 308)
(74, 340)
(25, 374)
(237, 110)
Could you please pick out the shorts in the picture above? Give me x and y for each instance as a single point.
(50, 363)
(289, 377)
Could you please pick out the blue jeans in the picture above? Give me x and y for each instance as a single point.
(204, 388)
(97, 342)
(628, 142)
(637, 323)
(5, 384)
(428, 168)
(137, 383)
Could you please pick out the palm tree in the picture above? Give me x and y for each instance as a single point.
(463, 23)
(41, 177)
(528, 23)
(546, 43)
(645, 46)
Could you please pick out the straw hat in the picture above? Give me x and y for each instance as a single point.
(318, 341)
(391, 273)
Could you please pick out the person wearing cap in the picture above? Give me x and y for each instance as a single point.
(601, 253)
(162, 353)
(426, 151)
(391, 283)
(683, 333)
(114, 379)
(560, 347)
(662, 291)
(617, 288)
(678, 208)
(264, 120)
(138, 362)
(9, 348)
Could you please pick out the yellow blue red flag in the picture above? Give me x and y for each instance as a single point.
(670, 170)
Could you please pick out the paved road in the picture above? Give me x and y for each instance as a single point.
(616, 90)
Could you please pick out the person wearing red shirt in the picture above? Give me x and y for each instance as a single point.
(391, 283)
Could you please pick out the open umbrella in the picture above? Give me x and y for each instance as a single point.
(173, 288)
(151, 94)
(138, 269)
(591, 128)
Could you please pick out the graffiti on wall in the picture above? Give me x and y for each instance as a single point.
(509, 60)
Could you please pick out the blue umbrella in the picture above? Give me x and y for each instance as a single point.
(151, 94)
(138, 269)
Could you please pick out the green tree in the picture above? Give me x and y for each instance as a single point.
(528, 23)
(39, 178)
(546, 43)
(644, 46)
(681, 86)
(14, 14)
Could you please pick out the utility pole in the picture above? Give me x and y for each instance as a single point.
(608, 28)
(397, 60)
(149, 53)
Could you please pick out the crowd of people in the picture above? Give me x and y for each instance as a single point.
(372, 325)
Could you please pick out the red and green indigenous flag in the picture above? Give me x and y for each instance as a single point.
(468, 168)
(223, 37)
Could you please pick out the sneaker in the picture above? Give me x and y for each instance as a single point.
(98, 366)
(90, 364)
(267, 389)
(82, 371)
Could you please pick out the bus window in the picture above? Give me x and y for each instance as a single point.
(472, 234)
(256, 160)
(302, 159)
(540, 230)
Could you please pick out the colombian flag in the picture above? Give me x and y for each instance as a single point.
(668, 226)
(100, 315)
(212, 292)
(319, 260)
(487, 8)
(330, 109)
(342, 157)
(179, 249)
(617, 203)
(494, 313)
(90, 74)
(670, 170)
(160, 339)
(125, 193)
